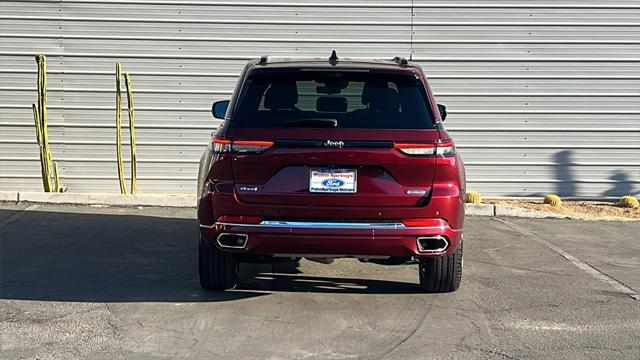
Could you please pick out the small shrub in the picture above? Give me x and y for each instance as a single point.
(553, 200)
(474, 197)
(629, 201)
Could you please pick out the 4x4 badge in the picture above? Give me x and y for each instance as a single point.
(331, 143)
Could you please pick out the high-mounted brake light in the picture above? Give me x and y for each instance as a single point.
(446, 148)
(241, 146)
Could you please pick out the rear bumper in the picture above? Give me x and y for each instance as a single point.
(288, 239)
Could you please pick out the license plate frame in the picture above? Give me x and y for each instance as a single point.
(333, 181)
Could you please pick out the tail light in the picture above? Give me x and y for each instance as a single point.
(239, 219)
(241, 146)
(416, 149)
(423, 222)
(445, 148)
(221, 145)
(254, 147)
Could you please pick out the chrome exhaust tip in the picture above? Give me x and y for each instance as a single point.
(432, 244)
(232, 241)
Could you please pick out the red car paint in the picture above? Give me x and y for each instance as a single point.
(239, 192)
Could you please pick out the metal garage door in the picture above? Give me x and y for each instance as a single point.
(543, 96)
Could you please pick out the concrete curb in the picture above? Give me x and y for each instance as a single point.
(180, 200)
(8, 196)
(502, 210)
(163, 200)
(480, 209)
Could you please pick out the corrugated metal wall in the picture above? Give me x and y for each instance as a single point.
(544, 96)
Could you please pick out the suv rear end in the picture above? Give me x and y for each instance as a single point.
(324, 159)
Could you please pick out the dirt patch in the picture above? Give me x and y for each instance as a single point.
(588, 210)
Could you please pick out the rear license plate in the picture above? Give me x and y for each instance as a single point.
(333, 181)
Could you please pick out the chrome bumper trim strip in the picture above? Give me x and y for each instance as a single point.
(331, 225)
(317, 225)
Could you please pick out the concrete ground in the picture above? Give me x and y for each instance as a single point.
(117, 283)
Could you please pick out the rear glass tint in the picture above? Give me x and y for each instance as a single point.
(338, 99)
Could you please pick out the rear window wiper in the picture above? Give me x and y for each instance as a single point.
(319, 122)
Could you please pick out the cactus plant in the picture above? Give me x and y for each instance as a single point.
(553, 200)
(629, 201)
(474, 197)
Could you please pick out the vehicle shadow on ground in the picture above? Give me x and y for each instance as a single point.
(321, 284)
(80, 257)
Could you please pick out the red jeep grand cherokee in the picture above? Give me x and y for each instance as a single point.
(331, 158)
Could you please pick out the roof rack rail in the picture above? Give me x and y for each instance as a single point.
(400, 60)
(264, 59)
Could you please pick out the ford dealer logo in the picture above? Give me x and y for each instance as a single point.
(333, 183)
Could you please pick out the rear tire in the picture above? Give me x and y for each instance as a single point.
(218, 270)
(442, 273)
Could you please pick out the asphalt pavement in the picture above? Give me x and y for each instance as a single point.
(81, 282)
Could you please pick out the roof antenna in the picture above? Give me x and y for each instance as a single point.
(333, 59)
(264, 59)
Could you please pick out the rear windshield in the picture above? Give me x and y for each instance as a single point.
(332, 99)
